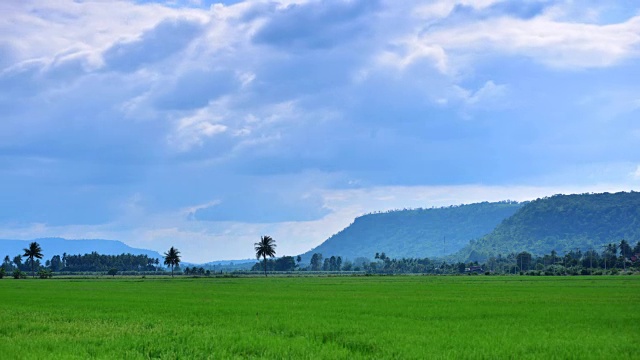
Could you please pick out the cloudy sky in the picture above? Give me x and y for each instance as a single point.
(204, 125)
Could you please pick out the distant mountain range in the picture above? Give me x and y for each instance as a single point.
(416, 233)
(456, 233)
(562, 223)
(478, 231)
(59, 246)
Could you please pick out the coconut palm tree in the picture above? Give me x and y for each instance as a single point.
(6, 265)
(33, 251)
(265, 247)
(172, 258)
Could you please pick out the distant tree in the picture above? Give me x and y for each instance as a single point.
(285, 263)
(326, 266)
(17, 260)
(112, 272)
(332, 263)
(265, 247)
(316, 262)
(172, 258)
(56, 263)
(299, 260)
(6, 265)
(348, 266)
(33, 251)
(523, 261)
(339, 263)
(589, 258)
(625, 249)
(625, 252)
(2, 272)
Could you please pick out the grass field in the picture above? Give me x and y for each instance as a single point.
(402, 317)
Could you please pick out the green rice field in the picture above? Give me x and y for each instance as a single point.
(377, 317)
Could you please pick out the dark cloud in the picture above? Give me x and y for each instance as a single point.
(164, 40)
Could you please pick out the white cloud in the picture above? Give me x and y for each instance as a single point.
(192, 130)
(489, 95)
(419, 50)
(636, 174)
(551, 42)
(78, 27)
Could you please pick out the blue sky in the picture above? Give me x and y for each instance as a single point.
(204, 125)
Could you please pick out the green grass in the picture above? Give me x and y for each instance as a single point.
(401, 317)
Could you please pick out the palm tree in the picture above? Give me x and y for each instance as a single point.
(172, 258)
(265, 247)
(34, 251)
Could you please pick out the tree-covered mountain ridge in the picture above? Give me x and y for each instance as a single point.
(431, 232)
(562, 223)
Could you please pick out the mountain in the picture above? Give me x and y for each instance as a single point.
(415, 233)
(224, 265)
(58, 246)
(562, 223)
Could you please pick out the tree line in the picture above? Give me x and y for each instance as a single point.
(609, 260)
(92, 262)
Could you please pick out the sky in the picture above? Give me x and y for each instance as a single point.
(205, 125)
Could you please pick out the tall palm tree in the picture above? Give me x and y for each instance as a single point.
(172, 258)
(265, 247)
(33, 251)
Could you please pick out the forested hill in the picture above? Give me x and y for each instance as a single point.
(562, 223)
(58, 246)
(415, 233)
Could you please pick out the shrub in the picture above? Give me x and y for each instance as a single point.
(17, 274)
(45, 274)
(1, 272)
